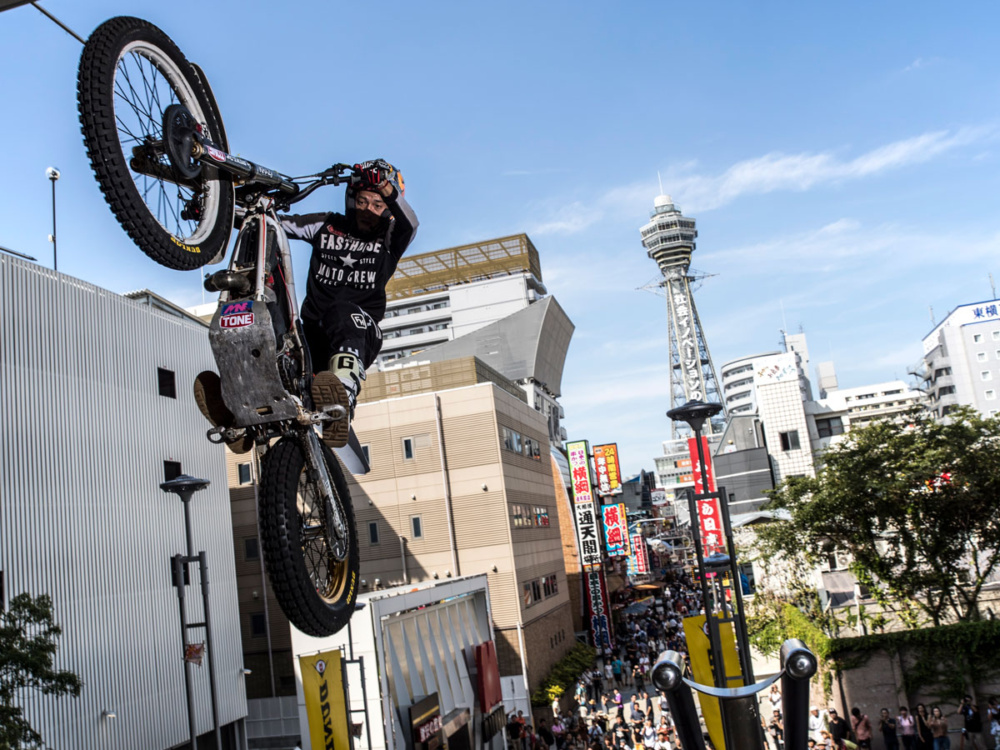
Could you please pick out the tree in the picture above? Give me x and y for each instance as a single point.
(913, 503)
(27, 649)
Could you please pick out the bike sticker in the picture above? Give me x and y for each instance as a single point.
(215, 153)
(237, 314)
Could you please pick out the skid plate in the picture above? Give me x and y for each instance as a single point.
(243, 343)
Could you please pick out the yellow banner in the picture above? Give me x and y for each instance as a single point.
(701, 666)
(323, 687)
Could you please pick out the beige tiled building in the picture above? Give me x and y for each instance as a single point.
(462, 483)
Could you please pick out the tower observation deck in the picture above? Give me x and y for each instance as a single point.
(669, 240)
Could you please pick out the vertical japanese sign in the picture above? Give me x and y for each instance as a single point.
(709, 515)
(639, 554)
(326, 707)
(615, 529)
(583, 505)
(600, 612)
(609, 474)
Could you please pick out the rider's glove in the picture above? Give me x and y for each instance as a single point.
(375, 173)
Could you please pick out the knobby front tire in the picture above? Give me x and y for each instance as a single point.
(316, 593)
(130, 72)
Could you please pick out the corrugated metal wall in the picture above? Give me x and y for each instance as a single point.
(83, 437)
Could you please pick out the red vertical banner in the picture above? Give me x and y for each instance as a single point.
(709, 515)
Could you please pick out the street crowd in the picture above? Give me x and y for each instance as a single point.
(614, 706)
(924, 729)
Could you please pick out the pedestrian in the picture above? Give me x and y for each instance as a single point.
(639, 678)
(777, 730)
(862, 727)
(907, 726)
(973, 725)
(546, 736)
(993, 717)
(938, 725)
(817, 722)
(616, 670)
(838, 727)
(775, 697)
(887, 725)
(608, 672)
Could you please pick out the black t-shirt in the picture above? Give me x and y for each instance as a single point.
(888, 728)
(972, 721)
(546, 735)
(346, 266)
(838, 729)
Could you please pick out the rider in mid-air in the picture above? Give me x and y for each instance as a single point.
(354, 256)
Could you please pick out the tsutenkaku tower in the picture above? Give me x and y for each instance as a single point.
(669, 240)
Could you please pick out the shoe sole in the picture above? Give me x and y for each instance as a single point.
(327, 390)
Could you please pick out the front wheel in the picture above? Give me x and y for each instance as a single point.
(315, 591)
(130, 73)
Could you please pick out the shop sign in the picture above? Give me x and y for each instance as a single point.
(326, 705)
(579, 471)
(425, 722)
(615, 529)
(709, 514)
(597, 598)
(608, 471)
(586, 531)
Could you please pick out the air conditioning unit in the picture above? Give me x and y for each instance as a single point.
(562, 413)
(562, 434)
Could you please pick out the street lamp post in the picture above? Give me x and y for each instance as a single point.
(53, 174)
(739, 716)
(184, 487)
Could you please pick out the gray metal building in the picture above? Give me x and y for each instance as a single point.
(95, 407)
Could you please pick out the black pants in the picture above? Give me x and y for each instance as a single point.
(343, 327)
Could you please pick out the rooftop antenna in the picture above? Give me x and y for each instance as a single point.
(784, 323)
(993, 286)
(660, 180)
(931, 308)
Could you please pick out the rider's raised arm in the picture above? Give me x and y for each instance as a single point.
(302, 226)
(404, 228)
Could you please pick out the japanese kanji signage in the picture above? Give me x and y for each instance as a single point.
(608, 471)
(579, 470)
(586, 534)
(709, 515)
(615, 529)
(600, 612)
(638, 563)
(658, 496)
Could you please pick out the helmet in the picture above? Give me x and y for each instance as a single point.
(368, 175)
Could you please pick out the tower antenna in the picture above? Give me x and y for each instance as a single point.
(660, 180)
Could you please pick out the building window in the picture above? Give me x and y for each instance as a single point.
(243, 472)
(946, 390)
(977, 338)
(996, 335)
(251, 551)
(990, 395)
(789, 440)
(981, 356)
(166, 382)
(407, 448)
(986, 375)
(417, 527)
(520, 516)
(373, 533)
(541, 516)
(532, 449)
(258, 626)
(366, 450)
(528, 600)
(829, 427)
(536, 591)
(171, 470)
(511, 440)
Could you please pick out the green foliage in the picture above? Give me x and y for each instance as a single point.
(27, 650)
(947, 661)
(564, 674)
(913, 503)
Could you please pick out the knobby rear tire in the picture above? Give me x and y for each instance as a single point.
(125, 39)
(281, 526)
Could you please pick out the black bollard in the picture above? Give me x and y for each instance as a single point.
(798, 665)
(668, 676)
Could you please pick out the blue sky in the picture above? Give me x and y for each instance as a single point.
(841, 161)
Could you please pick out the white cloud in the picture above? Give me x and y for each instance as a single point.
(921, 62)
(769, 173)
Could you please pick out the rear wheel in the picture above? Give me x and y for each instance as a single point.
(316, 592)
(130, 73)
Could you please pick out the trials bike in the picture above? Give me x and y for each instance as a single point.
(158, 147)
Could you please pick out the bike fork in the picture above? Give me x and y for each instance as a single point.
(331, 508)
